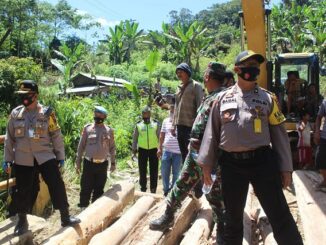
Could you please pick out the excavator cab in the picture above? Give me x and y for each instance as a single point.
(305, 66)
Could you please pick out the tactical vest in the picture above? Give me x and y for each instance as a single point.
(147, 138)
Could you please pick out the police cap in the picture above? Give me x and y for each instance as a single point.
(27, 86)
(247, 54)
(101, 109)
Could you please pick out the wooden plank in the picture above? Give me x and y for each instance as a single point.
(97, 216)
(114, 234)
(201, 228)
(312, 207)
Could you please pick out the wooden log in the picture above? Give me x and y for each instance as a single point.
(312, 206)
(157, 197)
(265, 229)
(2, 139)
(120, 229)
(36, 225)
(4, 184)
(142, 235)
(43, 198)
(201, 228)
(96, 217)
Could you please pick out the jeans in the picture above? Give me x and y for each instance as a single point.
(170, 160)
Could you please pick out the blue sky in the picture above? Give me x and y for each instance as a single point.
(148, 13)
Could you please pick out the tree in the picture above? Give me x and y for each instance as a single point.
(131, 35)
(71, 60)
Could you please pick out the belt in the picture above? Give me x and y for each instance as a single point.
(94, 160)
(245, 155)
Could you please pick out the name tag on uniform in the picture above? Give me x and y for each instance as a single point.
(257, 125)
(229, 106)
(31, 133)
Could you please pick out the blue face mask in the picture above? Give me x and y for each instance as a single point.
(249, 73)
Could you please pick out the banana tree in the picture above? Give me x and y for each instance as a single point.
(131, 35)
(68, 60)
(115, 44)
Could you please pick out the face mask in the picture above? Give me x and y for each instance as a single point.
(146, 120)
(98, 120)
(27, 99)
(249, 73)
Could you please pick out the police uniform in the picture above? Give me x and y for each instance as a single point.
(97, 142)
(244, 125)
(145, 139)
(34, 143)
(34, 139)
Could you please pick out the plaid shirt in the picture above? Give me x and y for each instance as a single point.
(187, 100)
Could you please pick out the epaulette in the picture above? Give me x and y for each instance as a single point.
(138, 121)
(17, 112)
(273, 95)
(47, 110)
(88, 124)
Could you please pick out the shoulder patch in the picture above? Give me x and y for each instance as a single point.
(53, 124)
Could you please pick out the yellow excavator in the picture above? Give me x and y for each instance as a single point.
(255, 27)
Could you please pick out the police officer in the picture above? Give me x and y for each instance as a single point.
(191, 172)
(97, 142)
(34, 143)
(145, 142)
(244, 121)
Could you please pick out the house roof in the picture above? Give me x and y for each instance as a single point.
(86, 79)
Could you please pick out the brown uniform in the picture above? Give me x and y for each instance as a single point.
(97, 142)
(35, 144)
(33, 135)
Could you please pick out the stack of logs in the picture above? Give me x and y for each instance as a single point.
(122, 215)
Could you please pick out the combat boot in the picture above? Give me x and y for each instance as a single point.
(165, 221)
(22, 225)
(66, 219)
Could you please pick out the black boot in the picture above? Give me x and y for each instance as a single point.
(165, 221)
(22, 225)
(220, 234)
(66, 219)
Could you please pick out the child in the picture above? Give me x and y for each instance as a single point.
(304, 143)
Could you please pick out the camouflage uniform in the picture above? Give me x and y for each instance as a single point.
(191, 172)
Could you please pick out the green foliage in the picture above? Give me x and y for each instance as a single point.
(12, 70)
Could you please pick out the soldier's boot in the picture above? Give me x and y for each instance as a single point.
(66, 219)
(220, 234)
(165, 221)
(22, 225)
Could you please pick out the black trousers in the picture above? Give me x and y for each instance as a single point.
(25, 178)
(92, 181)
(183, 137)
(265, 178)
(12, 210)
(143, 157)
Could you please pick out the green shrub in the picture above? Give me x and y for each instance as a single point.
(12, 70)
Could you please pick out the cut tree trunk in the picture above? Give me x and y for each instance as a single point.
(312, 206)
(201, 228)
(142, 235)
(120, 229)
(36, 225)
(96, 217)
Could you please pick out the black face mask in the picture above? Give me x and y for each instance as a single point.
(249, 73)
(26, 99)
(146, 120)
(98, 120)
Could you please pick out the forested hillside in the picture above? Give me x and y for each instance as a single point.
(36, 42)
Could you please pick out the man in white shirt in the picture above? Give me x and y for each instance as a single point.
(169, 152)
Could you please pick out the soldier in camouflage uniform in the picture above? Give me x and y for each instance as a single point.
(191, 172)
